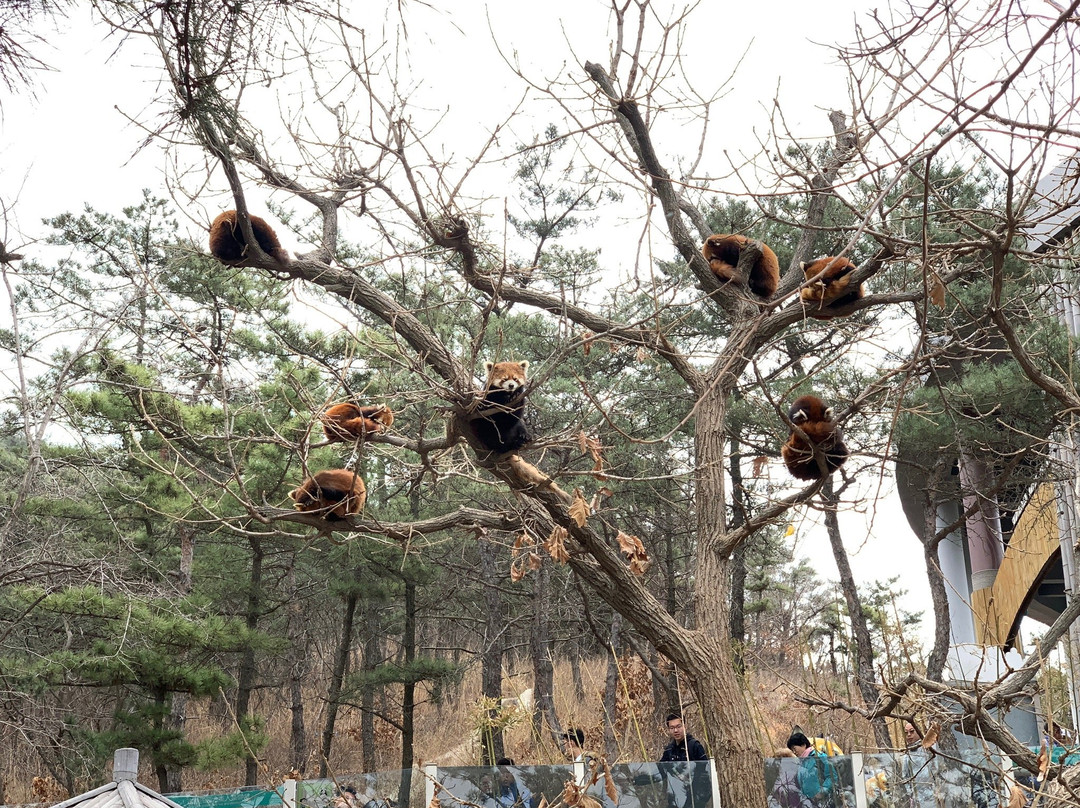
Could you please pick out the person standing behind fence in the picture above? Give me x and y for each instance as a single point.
(685, 748)
(817, 777)
(683, 745)
(918, 770)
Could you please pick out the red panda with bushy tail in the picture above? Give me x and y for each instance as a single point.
(722, 251)
(349, 422)
(227, 242)
(338, 493)
(832, 290)
(810, 414)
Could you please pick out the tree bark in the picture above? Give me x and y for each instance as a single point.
(408, 701)
(611, 689)
(245, 682)
(491, 658)
(337, 677)
(540, 647)
(864, 648)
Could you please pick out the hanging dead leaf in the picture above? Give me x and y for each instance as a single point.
(579, 508)
(1044, 763)
(556, 545)
(609, 784)
(586, 345)
(1017, 798)
(435, 802)
(605, 491)
(535, 561)
(760, 464)
(933, 732)
(583, 441)
(639, 566)
(629, 544)
(517, 570)
(642, 354)
(937, 290)
(571, 794)
(519, 542)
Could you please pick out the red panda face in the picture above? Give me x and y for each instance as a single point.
(809, 408)
(508, 376)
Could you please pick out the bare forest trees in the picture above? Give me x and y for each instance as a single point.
(645, 372)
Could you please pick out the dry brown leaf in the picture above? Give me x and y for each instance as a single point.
(583, 441)
(586, 346)
(519, 542)
(629, 544)
(609, 784)
(607, 492)
(517, 571)
(937, 290)
(760, 464)
(1044, 763)
(1017, 798)
(579, 508)
(556, 545)
(535, 561)
(642, 354)
(589, 802)
(933, 732)
(435, 802)
(571, 794)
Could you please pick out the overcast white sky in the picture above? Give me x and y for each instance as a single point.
(70, 144)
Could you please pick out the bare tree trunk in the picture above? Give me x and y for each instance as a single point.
(337, 677)
(540, 646)
(372, 657)
(298, 670)
(864, 648)
(611, 689)
(491, 658)
(738, 561)
(245, 682)
(408, 701)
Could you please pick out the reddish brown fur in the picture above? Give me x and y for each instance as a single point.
(348, 421)
(832, 290)
(810, 414)
(722, 252)
(499, 424)
(227, 242)
(339, 493)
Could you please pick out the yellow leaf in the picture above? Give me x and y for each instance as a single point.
(790, 531)
(579, 508)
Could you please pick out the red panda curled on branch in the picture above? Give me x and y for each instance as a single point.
(832, 290)
(349, 422)
(227, 241)
(810, 414)
(722, 251)
(338, 493)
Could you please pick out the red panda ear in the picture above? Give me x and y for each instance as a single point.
(488, 366)
(524, 366)
(803, 265)
(295, 495)
(828, 413)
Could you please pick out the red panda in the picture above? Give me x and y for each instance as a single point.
(338, 493)
(810, 414)
(832, 290)
(227, 242)
(722, 252)
(348, 421)
(499, 424)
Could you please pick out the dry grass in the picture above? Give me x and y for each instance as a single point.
(446, 734)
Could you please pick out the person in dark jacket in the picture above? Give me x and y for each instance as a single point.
(683, 746)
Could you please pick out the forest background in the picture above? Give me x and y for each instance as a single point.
(157, 591)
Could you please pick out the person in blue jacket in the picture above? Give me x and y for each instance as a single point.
(817, 778)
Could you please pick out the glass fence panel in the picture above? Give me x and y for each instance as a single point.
(632, 785)
(388, 789)
(811, 782)
(245, 797)
(924, 779)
